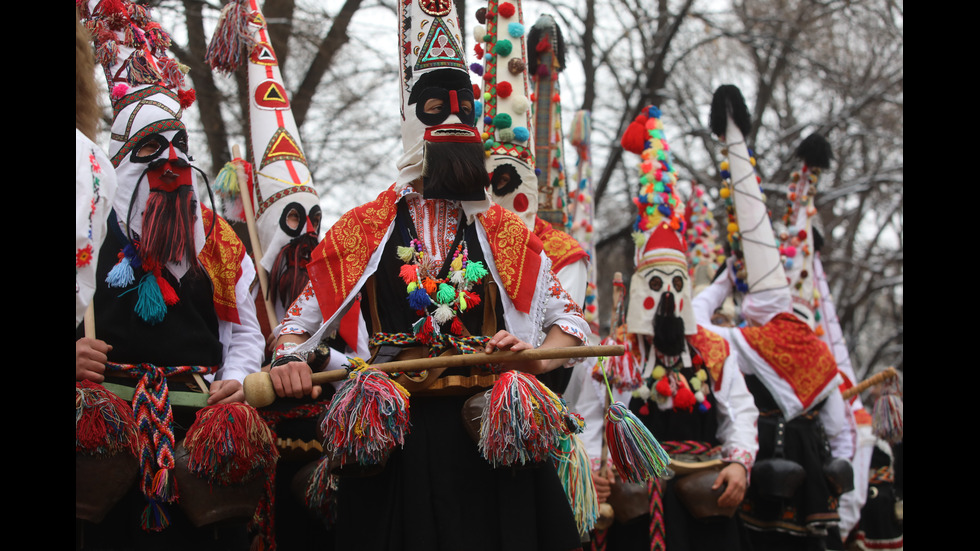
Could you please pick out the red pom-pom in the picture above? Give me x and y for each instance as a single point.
(684, 399)
(556, 98)
(663, 387)
(801, 235)
(634, 138)
(408, 273)
(476, 90)
(504, 89)
(645, 409)
(506, 9)
(478, 49)
(119, 90)
(186, 97)
(544, 45)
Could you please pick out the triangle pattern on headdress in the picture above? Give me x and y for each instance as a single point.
(263, 54)
(271, 95)
(440, 49)
(282, 147)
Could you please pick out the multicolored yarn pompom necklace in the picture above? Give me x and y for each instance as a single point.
(439, 301)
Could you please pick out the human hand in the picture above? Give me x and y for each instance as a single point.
(603, 486)
(735, 477)
(294, 380)
(90, 359)
(506, 341)
(225, 392)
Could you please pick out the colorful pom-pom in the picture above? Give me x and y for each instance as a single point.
(506, 10)
(504, 89)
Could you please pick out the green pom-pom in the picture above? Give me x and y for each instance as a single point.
(639, 239)
(475, 270)
(446, 294)
(502, 120)
(503, 47)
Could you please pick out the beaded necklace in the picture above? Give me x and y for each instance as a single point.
(439, 301)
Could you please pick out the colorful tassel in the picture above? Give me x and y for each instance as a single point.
(150, 306)
(634, 450)
(104, 422)
(887, 418)
(575, 473)
(475, 270)
(523, 421)
(121, 275)
(231, 39)
(230, 444)
(367, 417)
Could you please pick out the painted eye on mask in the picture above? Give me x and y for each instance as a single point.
(678, 282)
(435, 105)
(292, 219)
(656, 284)
(153, 145)
(316, 215)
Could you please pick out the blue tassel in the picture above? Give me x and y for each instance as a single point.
(150, 306)
(121, 275)
(418, 299)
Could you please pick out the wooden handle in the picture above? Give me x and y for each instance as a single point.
(875, 379)
(253, 236)
(260, 393)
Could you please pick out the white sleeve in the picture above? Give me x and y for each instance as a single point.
(737, 416)
(242, 344)
(582, 398)
(838, 425)
(303, 315)
(562, 311)
(575, 279)
(852, 502)
(711, 299)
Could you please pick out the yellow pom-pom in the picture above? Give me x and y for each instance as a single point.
(732, 227)
(659, 372)
(724, 165)
(695, 384)
(724, 192)
(702, 375)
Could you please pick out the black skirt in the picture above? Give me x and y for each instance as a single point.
(438, 493)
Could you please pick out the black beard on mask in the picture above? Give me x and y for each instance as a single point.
(668, 329)
(454, 170)
(288, 277)
(168, 227)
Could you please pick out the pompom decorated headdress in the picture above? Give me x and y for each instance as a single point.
(148, 94)
(546, 59)
(658, 232)
(506, 124)
(283, 198)
(583, 213)
(795, 235)
(431, 55)
(704, 252)
(756, 257)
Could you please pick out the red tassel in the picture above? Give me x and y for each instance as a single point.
(407, 273)
(169, 295)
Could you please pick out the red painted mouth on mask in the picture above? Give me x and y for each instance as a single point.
(458, 133)
(168, 177)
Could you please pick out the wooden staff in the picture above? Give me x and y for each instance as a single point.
(606, 512)
(259, 391)
(253, 235)
(878, 378)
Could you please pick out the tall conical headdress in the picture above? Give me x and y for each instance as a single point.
(546, 59)
(147, 90)
(796, 234)
(583, 215)
(284, 200)
(661, 253)
(506, 123)
(704, 252)
(757, 264)
(430, 48)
